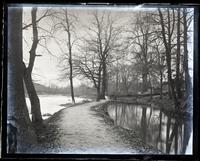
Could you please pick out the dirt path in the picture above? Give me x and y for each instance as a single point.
(80, 131)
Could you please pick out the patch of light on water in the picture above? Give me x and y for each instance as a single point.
(51, 103)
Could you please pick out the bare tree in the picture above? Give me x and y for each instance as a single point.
(160, 62)
(167, 38)
(89, 66)
(126, 77)
(38, 40)
(188, 84)
(141, 37)
(104, 35)
(35, 102)
(67, 21)
(178, 55)
(68, 30)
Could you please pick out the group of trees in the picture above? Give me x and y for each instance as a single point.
(96, 52)
(158, 53)
(150, 49)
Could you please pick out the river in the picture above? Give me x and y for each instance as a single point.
(52, 103)
(166, 133)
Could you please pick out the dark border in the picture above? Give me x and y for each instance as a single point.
(196, 119)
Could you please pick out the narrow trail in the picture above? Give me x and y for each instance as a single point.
(78, 130)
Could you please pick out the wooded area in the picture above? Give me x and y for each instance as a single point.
(147, 56)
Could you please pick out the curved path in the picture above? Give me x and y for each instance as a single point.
(81, 131)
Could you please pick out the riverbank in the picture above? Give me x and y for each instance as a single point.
(165, 104)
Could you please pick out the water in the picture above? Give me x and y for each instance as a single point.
(168, 134)
(50, 104)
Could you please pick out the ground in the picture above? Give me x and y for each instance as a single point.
(85, 129)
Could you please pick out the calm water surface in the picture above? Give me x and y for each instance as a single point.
(170, 135)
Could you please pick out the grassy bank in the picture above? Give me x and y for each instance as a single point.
(165, 104)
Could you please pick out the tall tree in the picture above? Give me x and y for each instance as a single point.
(140, 37)
(17, 112)
(160, 64)
(167, 38)
(188, 83)
(105, 34)
(65, 20)
(100, 41)
(67, 29)
(28, 70)
(178, 55)
(89, 66)
(34, 99)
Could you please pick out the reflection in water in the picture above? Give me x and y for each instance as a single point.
(164, 132)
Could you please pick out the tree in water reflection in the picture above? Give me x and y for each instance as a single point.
(166, 133)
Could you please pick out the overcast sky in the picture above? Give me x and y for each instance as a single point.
(46, 70)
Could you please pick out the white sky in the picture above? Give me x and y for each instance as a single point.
(46, 70)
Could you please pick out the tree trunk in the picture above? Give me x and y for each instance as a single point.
(170, 81)
(161, 84)
(160, 63)
(168, 55)
(34, 100)
(68, 30)
(98, 94)
(99, 84)
(117, 82)
(145, 67)
(17, 112)
(104, 80)
(151, 88)
(71, 81)
(178, 84)
(188, 83)
(144, 82)
(98, 87)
